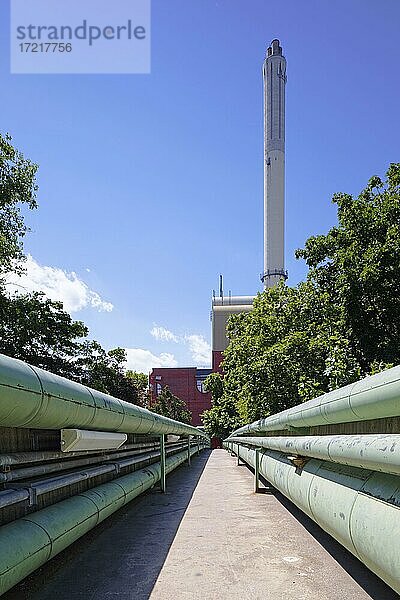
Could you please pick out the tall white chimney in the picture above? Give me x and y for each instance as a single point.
(274, 75)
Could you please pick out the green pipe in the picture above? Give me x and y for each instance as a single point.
(29, 542)
(20, 458)
(162, 463)
(379, 452)
(373, 397)
(360, 508)
(31, 397)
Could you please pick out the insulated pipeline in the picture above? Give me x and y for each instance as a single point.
(29, 542)
(373, 397)
(379, 452)
(360, 508)
(34, 398)
(16, 473)
(51, 484)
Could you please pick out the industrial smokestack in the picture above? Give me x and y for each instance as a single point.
(274, 76)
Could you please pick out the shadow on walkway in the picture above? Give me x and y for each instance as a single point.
(122, 557)
(366, 579)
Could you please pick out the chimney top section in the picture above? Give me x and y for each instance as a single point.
(275, 49)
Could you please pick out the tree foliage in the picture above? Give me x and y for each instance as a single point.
(141, 383)
(341, 324)
(222, 417)
(17, 188)
(356, 264)
(104, 371)
(289, 349)
(36, 329)
(171, 406)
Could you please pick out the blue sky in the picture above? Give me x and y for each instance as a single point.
(151, 185)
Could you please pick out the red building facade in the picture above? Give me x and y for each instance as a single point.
(217, 358)
(187, 384)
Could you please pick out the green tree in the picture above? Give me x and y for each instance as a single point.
(104, 371)
(290, 348)
(17, 188)
(141, 382)
(38, 331)
(357, 265)
(171, 406)
(34, 328)
(342, 323)
(222, 418)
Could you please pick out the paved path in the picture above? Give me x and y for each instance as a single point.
(208, 538)
(235, 544)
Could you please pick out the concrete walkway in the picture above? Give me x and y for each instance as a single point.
(208, 538)
(235, 544)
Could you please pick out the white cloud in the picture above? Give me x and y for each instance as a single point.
(200, 349)
(144, 360)
(57, 284)
(163, 334)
